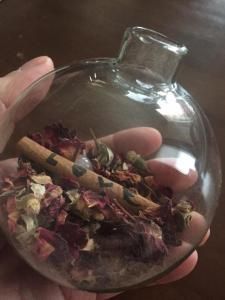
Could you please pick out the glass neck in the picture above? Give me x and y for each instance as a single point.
(149, 49)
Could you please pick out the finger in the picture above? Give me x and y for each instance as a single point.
(76, 294)
(143, 140)
(11, 87)
(8, 167)
(166, 173)
(205, 239)
(196, 229)
(106, 296)
(182, 270)
(15, 82)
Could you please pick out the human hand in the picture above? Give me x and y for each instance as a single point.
(17, 280)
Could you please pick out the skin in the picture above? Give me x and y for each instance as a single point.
(19, 281)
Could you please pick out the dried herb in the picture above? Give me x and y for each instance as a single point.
(79, 230)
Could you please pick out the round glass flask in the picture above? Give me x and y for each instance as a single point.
(139, 185)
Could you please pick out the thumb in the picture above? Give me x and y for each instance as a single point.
(11, 87)
(15, 82)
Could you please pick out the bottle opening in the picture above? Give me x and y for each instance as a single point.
(146, 48)
(148, 36)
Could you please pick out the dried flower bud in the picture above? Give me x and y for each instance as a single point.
(182, 215)
(33, 206)
(102, 153)
(136, 160)
(105, 155)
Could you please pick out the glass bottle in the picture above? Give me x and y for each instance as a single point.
(135, 90)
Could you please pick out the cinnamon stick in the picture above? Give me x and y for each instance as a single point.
(87, 178)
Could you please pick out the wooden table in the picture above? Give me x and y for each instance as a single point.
(70, 30)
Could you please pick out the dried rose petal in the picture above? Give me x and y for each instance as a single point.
(60, 140)
(126, 178)
(13, 218)
(69, 183)
(11, 204)
(61, 218)
(69, 148)
(93, 199)
(62, 252)
(73, 234)
(7, 184)
(53, 192)
(43, 249)
(46, 234)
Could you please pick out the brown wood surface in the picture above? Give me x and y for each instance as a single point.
(71, 29)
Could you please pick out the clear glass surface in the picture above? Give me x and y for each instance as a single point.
(109, 95)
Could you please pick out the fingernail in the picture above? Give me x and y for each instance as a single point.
(41, 60)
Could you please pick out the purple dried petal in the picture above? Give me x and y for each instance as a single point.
(69, 184)
(62, 251)
(73, 234)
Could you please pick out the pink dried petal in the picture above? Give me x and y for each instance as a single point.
(43, 249)
(12, 221)
(62, 217)
(11, 204)
(46, 234)
(53, 192)
(69, 148)
(92, 199)
(62, 252)
(7, 184)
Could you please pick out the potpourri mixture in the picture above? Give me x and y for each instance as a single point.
(78, 231)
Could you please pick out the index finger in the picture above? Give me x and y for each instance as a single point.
(143, 140)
